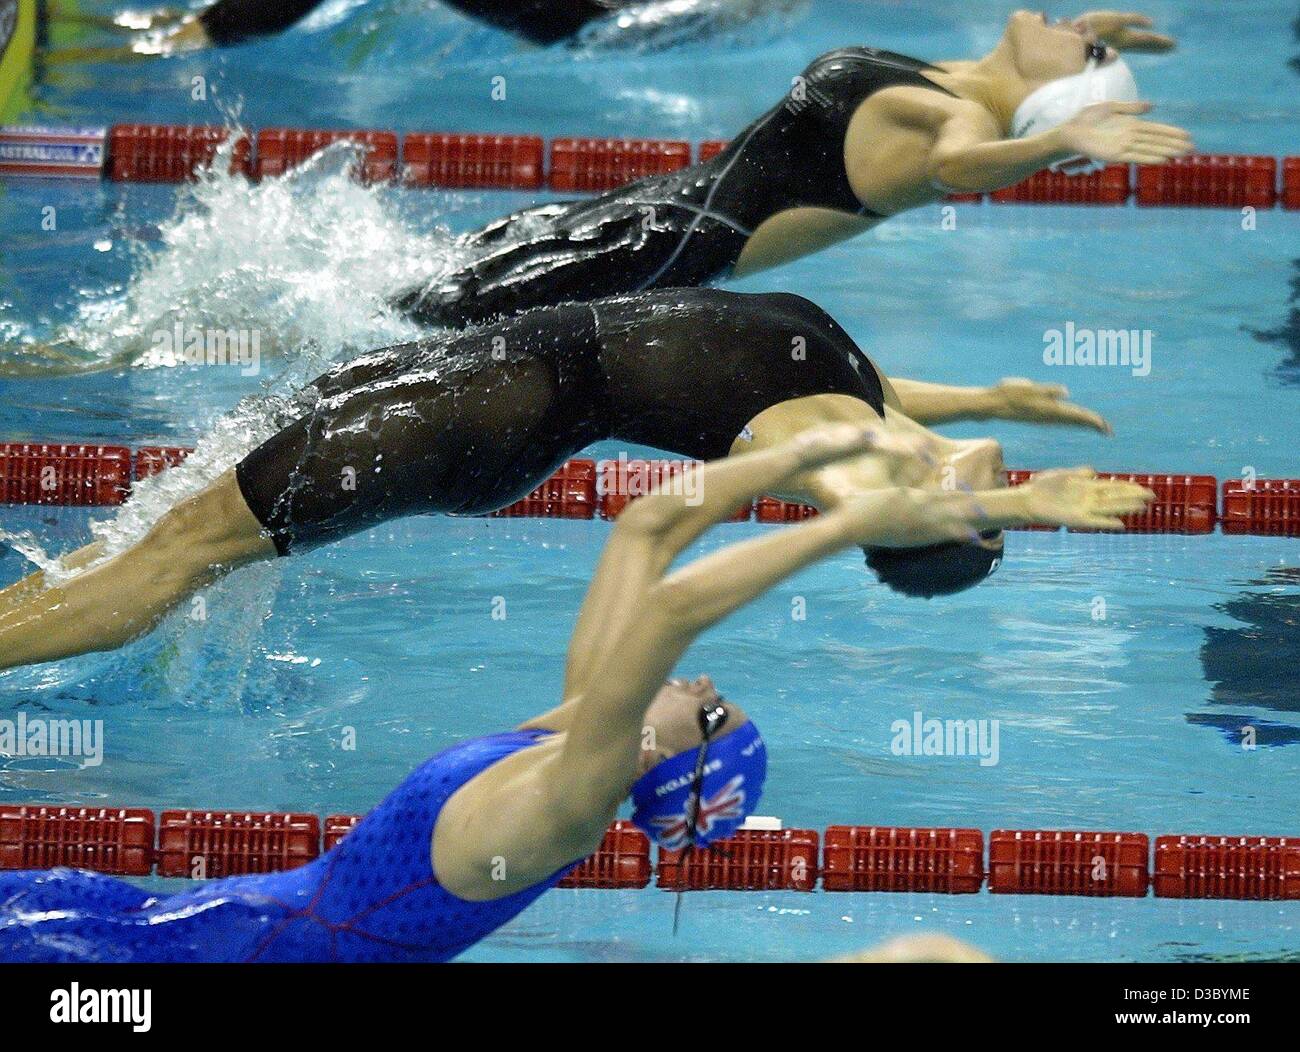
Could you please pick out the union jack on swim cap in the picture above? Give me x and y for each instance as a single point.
(735, 768)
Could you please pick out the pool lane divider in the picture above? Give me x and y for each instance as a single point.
(81, 475)
(762, 856)
(172, 153)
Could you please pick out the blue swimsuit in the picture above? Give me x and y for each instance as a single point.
(373, 898)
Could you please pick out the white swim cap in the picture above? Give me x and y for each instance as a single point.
(1058, 101)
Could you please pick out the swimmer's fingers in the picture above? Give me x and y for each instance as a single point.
(1070, 415)
(1024, 400)
(1125, 31)
(1076, 498)
(1106, 108)
(1165, 129)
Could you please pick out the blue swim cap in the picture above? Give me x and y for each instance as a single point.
(735, 768)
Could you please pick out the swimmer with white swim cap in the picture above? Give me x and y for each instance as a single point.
(862, 135)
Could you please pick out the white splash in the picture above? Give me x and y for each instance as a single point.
(307, 260)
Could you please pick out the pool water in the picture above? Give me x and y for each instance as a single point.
(1129, 721)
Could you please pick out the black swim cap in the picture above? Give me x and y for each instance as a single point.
(937, 569)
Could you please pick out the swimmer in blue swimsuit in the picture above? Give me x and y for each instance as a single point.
(481, 830)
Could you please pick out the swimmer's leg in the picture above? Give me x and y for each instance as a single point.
(158, 18)
(191, 546)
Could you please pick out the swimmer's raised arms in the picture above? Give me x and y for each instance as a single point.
(862, 135)
(470, 422)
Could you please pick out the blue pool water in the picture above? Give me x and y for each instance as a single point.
(1131, 722)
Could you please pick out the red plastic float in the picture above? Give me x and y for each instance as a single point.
(621, 861)
(771, 509)
(710, 148)
(336, 828)
(149, 460)
(39, 473)
(622, 481)
(1210, 180)
(1226, 867)
(226, 843)
(169, 153)
(117, 840)
(1110, 186)
(1291, 182)
(749, 860)
(280, 149)
(568, 494)
(468, 161)
(888, 858)
(1065, 862)
(1264, 507)
(603, 164)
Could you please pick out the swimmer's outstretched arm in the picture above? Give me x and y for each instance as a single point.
(1009, 399)
(549, 809)
(971, 154)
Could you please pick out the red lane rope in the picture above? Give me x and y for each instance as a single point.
(71, 474)
(170, 153)
(207, 844)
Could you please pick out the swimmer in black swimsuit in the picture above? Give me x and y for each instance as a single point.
(469, 422)
(230, 22)
(862, 135)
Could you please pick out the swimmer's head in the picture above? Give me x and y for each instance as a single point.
(1043, 51)
(937, 569)
(1066, 70)
(703, 764)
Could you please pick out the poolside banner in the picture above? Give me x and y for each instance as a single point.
(52, 152)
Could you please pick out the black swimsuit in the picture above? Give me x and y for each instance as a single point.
(541, 21)
(683, 229)
(469, 422)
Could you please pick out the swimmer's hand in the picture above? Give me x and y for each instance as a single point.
(1018, 399)
(1111, 132)
(1124, 31)
(1076, 498)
